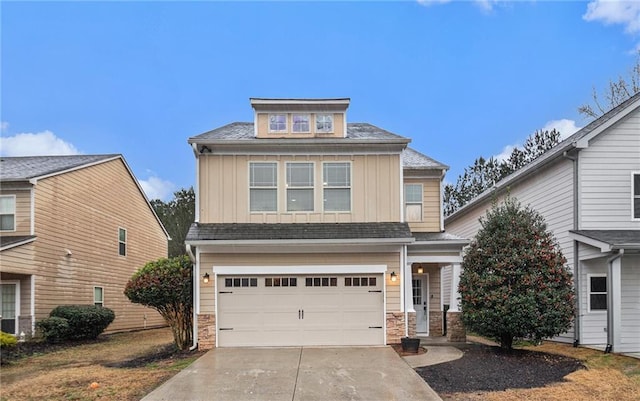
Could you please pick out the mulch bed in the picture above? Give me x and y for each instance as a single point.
(489, 368)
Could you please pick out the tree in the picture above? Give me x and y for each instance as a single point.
(166, 285)
(515, 282)
(177, 216)
(616, 93)
(484, 174)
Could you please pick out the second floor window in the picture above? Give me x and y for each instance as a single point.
(277, 122)
(300, 123)
(324, 123)
(7, 213)
(636, 196)
(122, 242)
(413, 202)
(336, 182)
(263, 187)
(299, 187)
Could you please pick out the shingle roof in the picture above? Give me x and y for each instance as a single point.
(441, 236)
(616, 238)
(25, 168)
(244, 131)
(412, 159)
(297, 231)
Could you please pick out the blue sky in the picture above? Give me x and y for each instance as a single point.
(462, 79)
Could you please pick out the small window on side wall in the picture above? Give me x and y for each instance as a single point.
(7, 213)
(636, 196)
(597, 293)
(122, 242)
(98, 296)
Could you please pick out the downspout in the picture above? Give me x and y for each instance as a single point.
(404, 290)
(576, 255)
(610, 303)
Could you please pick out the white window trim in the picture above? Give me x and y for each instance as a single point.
(123, 242)
(312, 187)
(421, 203)
(634, 197)
(309, 121)
(286, 123)
(596, 311)
(350, 187)
(14, 213)
(333, 123)
(17, 301)
(277, 188)
(94, 295)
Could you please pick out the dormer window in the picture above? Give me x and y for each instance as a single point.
(301, 123)
(324, 123)
(277, 123)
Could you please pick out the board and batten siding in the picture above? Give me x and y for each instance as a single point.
(23, 209)
(224, 189)
(81, 211)
(605, 176)
(431, 205)
(208, 261)
(549, 191)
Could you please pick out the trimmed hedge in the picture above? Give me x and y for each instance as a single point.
(83, 322)
(7, 340)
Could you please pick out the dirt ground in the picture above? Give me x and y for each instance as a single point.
(549, 372)
(123, 366)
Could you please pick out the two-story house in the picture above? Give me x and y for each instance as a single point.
(73, 230)
(588, 190)
(311, 230)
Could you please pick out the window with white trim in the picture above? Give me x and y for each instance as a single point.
(324, 122)
(299, 187)
(98, 296)
(597, 293)
(8, 213)
(301, 123)
(413, 202)
(263, 187)
(122, 242)
(336, 180)
(636, 195)
(277, 123)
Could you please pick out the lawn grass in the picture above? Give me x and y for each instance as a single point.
(67, 374)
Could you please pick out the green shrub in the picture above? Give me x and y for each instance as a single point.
(54, 329)
(86, 322)
(7, 340)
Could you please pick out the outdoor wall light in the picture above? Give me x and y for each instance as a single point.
(393, 276)
(420, 270)
(205, 278)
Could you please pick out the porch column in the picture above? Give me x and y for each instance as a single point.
(455, 328)
(614, 302)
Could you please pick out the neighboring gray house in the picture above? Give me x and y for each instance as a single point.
(588, 190)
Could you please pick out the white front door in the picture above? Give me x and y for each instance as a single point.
(421, 303)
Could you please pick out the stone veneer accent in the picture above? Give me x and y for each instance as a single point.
(455, 328)
(412, 324)
(435, 324)
(25, 325)
(395, 327)
(206, 331)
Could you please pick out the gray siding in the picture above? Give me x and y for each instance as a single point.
(605, 176)
(630, 336)
(593, 325)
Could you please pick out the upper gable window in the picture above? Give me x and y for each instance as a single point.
(413, 202)
(263, 187)
(336, 179)
(299, 187)
(324, 123)
(636, 195)
(301, 123)
(8, 213)
(277, 122)
(122, 242)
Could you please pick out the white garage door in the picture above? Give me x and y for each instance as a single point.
(296, 310)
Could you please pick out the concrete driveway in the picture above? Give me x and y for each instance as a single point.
(297, 374)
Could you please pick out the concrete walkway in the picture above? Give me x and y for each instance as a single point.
(435, 355)
(297, 374)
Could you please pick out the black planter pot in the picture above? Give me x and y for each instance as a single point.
(410, 344)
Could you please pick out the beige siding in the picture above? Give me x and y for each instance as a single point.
(605, 177)
(81, 211)
(263, 127)
(23, 209)
(224, 189)
(431, 205)
(209, 261)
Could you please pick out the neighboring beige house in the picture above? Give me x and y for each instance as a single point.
(73, 230)
(311, 230)
(588, 190)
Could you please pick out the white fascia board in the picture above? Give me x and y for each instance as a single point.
(301, 269)
(15, 244)
(584, 141)
(603, 246)
(434, 259)
(368, 241)
(463, 242)
(261, 101)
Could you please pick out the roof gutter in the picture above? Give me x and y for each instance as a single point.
(338, 241)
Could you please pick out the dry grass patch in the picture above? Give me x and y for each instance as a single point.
(67, 373)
